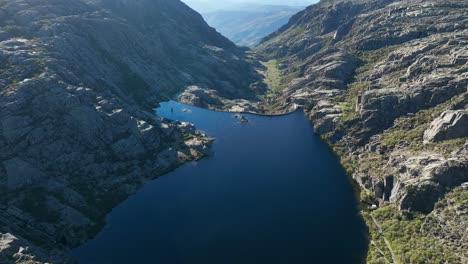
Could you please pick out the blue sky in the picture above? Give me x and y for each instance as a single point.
(210, 5)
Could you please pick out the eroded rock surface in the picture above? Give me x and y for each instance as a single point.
(211, 99)
(450, 125)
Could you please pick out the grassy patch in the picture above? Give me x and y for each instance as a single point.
(373, 162)
(272, 75)
(414, 137)
(348, 110)
(372, 57)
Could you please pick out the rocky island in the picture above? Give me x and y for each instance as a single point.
(384, 83)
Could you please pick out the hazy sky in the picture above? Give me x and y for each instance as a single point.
(210, 5)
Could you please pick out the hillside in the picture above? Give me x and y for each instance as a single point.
(385, 84)
(77, 132)
(246, 26)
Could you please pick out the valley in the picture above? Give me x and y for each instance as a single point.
(383, 83)
(247, 25)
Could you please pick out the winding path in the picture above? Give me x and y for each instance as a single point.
(394, 259)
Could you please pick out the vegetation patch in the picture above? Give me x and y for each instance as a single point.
(272, 75)
(371, 57)
(409, 130)
(349, 162)
(347, 100)
(406, 240)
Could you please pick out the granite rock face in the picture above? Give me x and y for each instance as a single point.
(17, 250)
(450, 125)
(385, 84)
(374, 63)
(211, 99)
(77, 133)
(423, 180)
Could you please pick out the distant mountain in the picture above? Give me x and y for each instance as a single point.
(247, 25)
(204, 6)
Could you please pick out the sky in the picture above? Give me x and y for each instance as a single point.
(204, 6)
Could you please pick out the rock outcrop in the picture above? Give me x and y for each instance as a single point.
(450, 125)
(423, 179)
(18, 250)
(211, 99)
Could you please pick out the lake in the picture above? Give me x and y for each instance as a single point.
(271, 192)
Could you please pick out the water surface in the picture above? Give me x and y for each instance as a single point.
(272, 192)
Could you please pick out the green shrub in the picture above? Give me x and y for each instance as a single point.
(408, 242)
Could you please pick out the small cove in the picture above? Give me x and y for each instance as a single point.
(272, 192)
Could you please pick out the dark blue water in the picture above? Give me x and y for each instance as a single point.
(271, 193)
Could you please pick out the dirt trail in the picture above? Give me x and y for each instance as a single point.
(387, 243)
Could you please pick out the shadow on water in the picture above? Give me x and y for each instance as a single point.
(272, 192)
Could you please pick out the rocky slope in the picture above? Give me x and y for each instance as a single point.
(77, 133)
(385, 83)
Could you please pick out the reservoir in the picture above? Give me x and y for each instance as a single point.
(271, 193)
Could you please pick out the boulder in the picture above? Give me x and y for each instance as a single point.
(200, 97)
(421, 197)
(450, 124)
(187, 128)
(327, 124)
(424, 179)
(388, 187)
(379, 189)
(199, 145)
